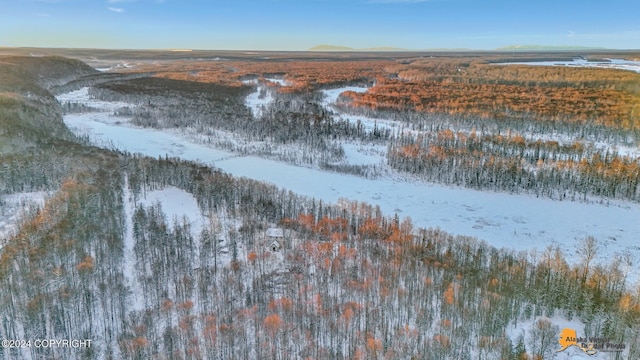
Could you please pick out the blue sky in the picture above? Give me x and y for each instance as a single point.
(301, 24)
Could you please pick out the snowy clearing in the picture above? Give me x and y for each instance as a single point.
(258, 100)
(364, 154)
(261, 98)
(82, 96)
(177, 205)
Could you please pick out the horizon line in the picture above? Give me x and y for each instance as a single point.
(511, 48)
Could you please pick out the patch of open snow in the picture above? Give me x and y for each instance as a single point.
(331, 95)
(109, 134)
(281, 82)
(370, 124)
(258, 100)
(177, 205)
(364, 154)
(633, 152)
(82, 96)
(14, 207)
(262, 97)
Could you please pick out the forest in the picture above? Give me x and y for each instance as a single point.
(517, 150)
(345, 281)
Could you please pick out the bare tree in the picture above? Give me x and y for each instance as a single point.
(587, 250)
(541, 338)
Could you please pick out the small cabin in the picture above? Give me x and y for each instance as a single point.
(275, 233)
(275, 246)
(275, 238)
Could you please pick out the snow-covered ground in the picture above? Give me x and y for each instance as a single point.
(364, 154)
(518, 222)
(579, 62)
(177, 205)
(259, 99)
(367, 123)
(130, 260)
(82, 96)
(109, 66)
(331, 95)
(13, 207)
(281, 82)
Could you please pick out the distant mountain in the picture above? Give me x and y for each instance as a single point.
(546, 47)
(325, 47)
(530, 47)
(384, 48)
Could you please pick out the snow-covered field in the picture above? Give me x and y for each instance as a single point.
(579, 62)
(518, 222)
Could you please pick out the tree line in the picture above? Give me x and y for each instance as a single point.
(512, 163)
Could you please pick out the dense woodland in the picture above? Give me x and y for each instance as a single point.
(511, 163)
(348, 282)
(303, 75)
(559, 94)
(471, 85)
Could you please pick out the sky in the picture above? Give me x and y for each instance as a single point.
(302, 24)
